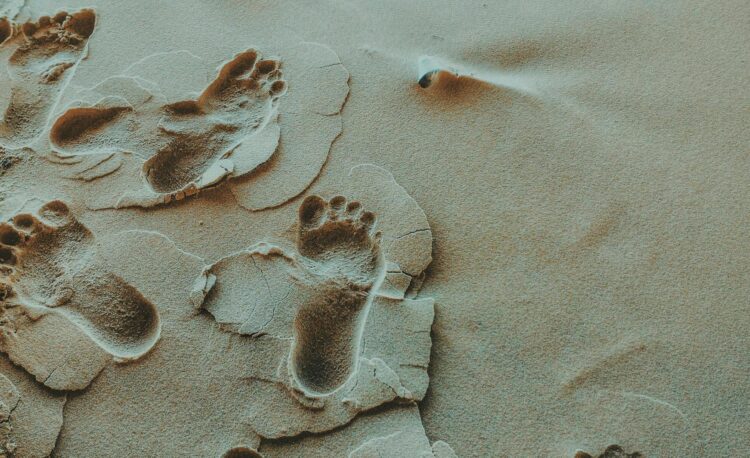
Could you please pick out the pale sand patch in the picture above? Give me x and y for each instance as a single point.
(10, 8)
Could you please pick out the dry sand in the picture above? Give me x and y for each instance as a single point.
(374, 229)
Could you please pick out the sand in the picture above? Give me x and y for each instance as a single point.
(394, 229)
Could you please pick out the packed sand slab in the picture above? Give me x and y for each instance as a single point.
(209, 370)
(30, 415)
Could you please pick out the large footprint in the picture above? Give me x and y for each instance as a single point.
(186, 145)
(327, 287)
(48, 268)
(343, 259)
(38, 58)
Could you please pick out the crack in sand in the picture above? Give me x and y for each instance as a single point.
(416, 231)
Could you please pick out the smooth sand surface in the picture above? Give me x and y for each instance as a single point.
(375, 229)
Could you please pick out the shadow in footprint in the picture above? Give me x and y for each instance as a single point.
(6, 29)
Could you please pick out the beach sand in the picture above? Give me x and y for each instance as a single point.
(374, 229)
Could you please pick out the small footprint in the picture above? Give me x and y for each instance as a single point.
(337, 245)
(47, 266)
(39, 58)
(185, 144)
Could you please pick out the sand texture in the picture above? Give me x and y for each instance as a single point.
(374, 229)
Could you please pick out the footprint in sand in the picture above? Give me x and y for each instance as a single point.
(186, 145)
(37, 60)
(47, 267)
(322, 292)
(331, 307)
(343, 259)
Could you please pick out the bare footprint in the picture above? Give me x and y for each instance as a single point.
(337, 342)
(184, 144)
(41, 55)
(47, 267)
(338, 247)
